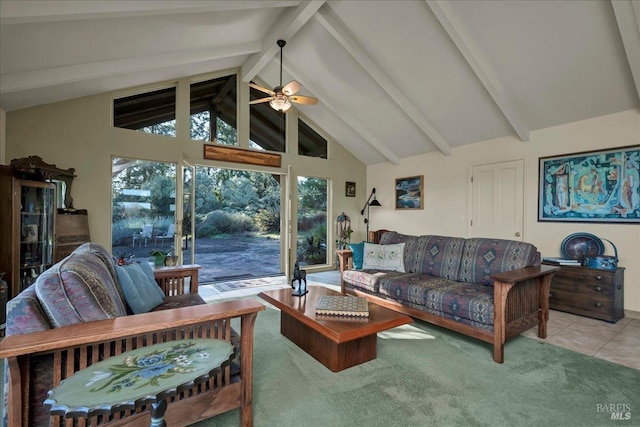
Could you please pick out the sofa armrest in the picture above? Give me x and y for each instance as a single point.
(524, 273)
(173, 280)
(521, 300)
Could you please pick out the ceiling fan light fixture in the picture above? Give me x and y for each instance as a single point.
(280, 104)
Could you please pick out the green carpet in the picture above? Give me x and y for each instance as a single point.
(427, 376)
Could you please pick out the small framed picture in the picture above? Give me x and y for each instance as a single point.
(409, 192)
(350, 189)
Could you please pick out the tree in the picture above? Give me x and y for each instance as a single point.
(312, 194)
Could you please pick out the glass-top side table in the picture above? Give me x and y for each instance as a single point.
(145, 376)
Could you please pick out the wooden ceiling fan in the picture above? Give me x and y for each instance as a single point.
(281, 97)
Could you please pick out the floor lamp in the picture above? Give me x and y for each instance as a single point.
(367, 205)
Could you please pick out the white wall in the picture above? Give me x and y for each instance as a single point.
(446, 189)
(78, 134)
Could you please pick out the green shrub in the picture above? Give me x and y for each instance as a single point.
(268, 220)
(221, 222)
(312, 248)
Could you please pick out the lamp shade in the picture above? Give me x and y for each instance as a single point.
(375, 202)
(280, 104)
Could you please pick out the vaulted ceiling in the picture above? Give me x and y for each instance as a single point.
(394, 78)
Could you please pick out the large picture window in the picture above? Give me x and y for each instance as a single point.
(312, 221)
(213, 110)
(143, 207)
(150, 112)
(310, 143)
(266, 126)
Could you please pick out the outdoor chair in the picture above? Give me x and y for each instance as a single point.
(146, 233)
(166, 236)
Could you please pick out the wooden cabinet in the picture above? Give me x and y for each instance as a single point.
(589, 292)
(72, 230)
(27, 212)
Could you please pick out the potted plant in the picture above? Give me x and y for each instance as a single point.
(159, 257)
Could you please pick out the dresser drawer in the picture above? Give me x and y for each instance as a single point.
(589, 283)
(597, 307)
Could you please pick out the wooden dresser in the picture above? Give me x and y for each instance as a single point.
(589, 292)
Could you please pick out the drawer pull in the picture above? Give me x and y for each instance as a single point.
(597, 288)
(619, 286)
(598, 277)
(598, 304)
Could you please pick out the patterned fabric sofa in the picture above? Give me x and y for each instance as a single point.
(72, 317)
(489, 289)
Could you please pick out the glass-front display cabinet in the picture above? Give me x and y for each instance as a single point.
(28, 220)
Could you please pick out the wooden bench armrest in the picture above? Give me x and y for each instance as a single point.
(345, 258)
(122, 327)
(172, 280)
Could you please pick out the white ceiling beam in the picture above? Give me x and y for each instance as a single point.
(285, 27)
(83, 72)
(343, 115)
(480, 66)
(24, 12)
(332, 24)
(627, 15)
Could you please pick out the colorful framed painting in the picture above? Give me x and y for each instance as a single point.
(410, 192)
(593, 186)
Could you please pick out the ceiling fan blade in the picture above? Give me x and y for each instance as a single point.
(291, 88)
(261, 100)
(262, 89)
(308, 100)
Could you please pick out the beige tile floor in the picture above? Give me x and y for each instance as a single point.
(618, 343)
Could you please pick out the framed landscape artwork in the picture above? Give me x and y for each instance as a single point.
(593, 186)
(409, 192)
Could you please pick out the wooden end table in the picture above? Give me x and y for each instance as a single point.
(336, 342)
(145, 376)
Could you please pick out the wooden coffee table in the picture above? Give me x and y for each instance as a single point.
(338, 343)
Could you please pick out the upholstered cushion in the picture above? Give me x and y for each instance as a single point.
(484, 257)
(436, 295)
(140, 293)
(357, 250)
(25, 315)
(384, 257)
(436, 256)
(177, 301)
(105, 257)
(78, 289)
(363, 279)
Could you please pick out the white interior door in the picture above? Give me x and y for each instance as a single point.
(497, 198)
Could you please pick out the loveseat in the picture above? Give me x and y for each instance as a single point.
(81, 311)
(489, 289)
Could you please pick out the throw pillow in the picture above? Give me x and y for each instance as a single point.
(141, 295)
(357, 250)
(384, 257)
(372, 256)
